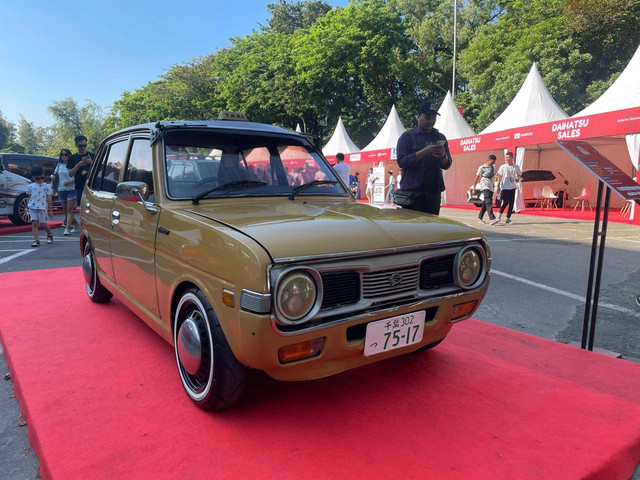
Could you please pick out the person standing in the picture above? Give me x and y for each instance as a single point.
(485, 175)
(391, 188)
(371, 183)
(40, 206)
(342, 169)
(66, 188)
(423, 153)
(508, 176)
(79, 164)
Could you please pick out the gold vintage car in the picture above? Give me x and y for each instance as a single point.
(240, 246)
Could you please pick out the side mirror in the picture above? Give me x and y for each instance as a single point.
(132, 191)
(135, 192)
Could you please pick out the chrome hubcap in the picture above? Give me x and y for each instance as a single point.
(190, 346)
(87, 268)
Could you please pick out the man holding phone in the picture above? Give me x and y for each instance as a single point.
(423, 152)
(79, 165)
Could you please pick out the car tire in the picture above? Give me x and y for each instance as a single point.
(21, 211)
(431, 345)
(211, 375)
(95, 290)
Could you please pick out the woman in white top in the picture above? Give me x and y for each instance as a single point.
(66, 187)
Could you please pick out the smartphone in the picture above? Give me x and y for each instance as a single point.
(441, 143)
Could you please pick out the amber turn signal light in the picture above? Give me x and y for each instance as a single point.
(463, 310)
(228, 298)
(299, 351)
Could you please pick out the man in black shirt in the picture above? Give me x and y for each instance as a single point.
(84, 159)
(423, 153)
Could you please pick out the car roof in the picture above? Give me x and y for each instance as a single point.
(157, 128)
(26, 156)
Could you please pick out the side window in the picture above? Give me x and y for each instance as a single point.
(20, 166)
(529, 176)
(140, 166)
(113, 166)
(96, 183)
(546, 175)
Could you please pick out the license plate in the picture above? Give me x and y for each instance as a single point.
(392, 333)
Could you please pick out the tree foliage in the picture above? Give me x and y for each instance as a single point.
(287, 17)
(70, 120)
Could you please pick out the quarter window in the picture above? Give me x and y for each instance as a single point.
(108, 176)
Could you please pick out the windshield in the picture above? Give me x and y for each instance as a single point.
(198, 161)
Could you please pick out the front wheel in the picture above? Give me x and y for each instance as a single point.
(95, 290)
(210, 373)
(20, 211)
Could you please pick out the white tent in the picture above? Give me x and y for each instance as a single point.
(623, 93)
(450, 122)
(532, 104)
(339, 141)
(298, 129)
(390, 133)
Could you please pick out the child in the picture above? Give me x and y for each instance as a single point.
(39, 203)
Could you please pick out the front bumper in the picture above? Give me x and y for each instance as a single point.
(260, 343)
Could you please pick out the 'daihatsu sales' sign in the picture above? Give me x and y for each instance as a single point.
(601, 167)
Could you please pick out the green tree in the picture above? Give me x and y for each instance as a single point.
(71, 120)
(287, 17)
(7, 132)
(35, 140)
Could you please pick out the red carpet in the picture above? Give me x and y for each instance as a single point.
(102, 397)
(614, 214)
(7, 227)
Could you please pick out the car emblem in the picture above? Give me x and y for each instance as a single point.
(395, 279)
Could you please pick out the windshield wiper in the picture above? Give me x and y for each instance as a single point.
(304, 186)
(227, 186)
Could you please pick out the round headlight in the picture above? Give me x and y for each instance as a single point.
(296, 295)
(469, 267)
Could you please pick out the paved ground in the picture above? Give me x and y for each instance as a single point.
(540, 268)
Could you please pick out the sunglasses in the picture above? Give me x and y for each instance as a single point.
(64, 154)
(81, 145)
(38, 178)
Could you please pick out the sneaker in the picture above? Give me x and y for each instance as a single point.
(495, 221)
(73, 227)
(508, 220)
(35, 244)
(66, 231)
(49, 238)
(481, 221)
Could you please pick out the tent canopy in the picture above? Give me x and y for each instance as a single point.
(451, 122)
(339, 141)
(532, 104)
(390, 133)
(623, 93)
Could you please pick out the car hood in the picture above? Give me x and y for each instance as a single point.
(300, 228)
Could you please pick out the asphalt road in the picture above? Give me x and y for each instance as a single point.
(539, 281)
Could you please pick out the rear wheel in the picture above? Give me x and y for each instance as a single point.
(20, 211)
(210, 373)
(95, 290)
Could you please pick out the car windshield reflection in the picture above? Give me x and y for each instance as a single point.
(197, 163)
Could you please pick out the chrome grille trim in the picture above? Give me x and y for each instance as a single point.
(380, 284)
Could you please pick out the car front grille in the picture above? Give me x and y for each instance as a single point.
(390, 282)
(437, 272)
(340, 288)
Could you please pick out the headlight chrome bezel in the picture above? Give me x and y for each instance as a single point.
(317, 280)
(483, 267)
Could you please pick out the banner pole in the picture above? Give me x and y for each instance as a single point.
(596, 293)
(592, 264)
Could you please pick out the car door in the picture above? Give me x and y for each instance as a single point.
(134, 230)
(97, 204)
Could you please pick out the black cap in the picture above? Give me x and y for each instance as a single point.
(428, 108)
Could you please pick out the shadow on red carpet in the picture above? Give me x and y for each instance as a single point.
(101, 395)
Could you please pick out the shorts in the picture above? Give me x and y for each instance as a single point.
(38, 214)
(64, 195)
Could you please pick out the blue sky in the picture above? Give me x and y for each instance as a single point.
(51, 50)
